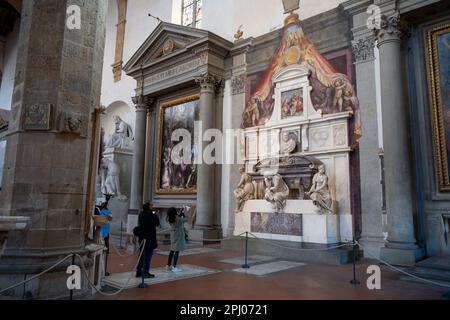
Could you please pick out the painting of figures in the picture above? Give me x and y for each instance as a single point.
(176, 176)
(439, 45)
(292, 103)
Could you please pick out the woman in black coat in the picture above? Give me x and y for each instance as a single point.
(148, 221)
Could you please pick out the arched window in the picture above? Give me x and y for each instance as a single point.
(192, 13)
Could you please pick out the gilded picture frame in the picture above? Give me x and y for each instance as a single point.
(438, 39)
(161, 144)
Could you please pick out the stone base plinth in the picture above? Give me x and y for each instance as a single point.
(315, 227)
(401, 257)
(205, 235)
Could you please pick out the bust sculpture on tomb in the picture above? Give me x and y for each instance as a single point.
(110, 179)
(288, 144)
(277, 191)
(320, 193)
(122, 136)
(244, 191)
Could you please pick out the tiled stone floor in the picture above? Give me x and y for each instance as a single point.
(190, 251)
(128, 279)
(309, 282)
(251, 260)
(270, 268)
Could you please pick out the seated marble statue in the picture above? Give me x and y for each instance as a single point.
(320, 193)
(110, 180)
(245, 190)
(122, 136)
(277, 191)
(287, 145)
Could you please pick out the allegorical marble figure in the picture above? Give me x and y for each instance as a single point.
(122, 136)
(277, 191)
(245, 190)
(320, 193)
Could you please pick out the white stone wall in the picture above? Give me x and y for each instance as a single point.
(10, 60)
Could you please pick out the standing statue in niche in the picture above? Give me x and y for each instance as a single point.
(320, 193)
(245, 190)
(110, 173)
(122, 136)
(277, 191)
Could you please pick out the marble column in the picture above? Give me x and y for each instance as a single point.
(137, 177)
(401, 247)
(56, 88)
(370, 169)
(206, 173)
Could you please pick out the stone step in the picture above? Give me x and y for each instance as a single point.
(440, 263)
(289, 251)
(429, 273)
(411, 279)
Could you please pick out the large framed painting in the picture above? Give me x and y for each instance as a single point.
(439, 66)
(172, 175)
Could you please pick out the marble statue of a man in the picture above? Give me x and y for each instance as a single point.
(287, 145)
(110, 173)
(244, 191)
(277, 192)
(320, 193)
(122, 136)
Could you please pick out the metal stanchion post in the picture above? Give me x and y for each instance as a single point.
(246, 266)
(121, 234)
(73, 263)
(143, 285)
(354, 281)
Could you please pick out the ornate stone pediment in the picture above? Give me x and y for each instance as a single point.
(173, 55)
(164, 41)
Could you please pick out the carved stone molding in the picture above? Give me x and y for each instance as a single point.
(392, 28)
(37, 117)
(238, 84)
(143, 103)
(364, 49)
(71, 122)
(210, 82)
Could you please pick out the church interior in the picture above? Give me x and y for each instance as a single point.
(259, 146)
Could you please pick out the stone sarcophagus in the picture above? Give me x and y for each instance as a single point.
(297, 172)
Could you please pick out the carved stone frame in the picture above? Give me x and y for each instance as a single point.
(437, 107)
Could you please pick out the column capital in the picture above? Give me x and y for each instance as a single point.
(143, 103)
(391, 28)
(210, 82)
(363, 49)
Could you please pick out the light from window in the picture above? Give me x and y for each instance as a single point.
(192, 13)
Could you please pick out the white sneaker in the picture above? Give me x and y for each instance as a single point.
(169, 268)
(176, 269)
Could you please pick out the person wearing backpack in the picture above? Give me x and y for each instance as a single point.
(148, 220)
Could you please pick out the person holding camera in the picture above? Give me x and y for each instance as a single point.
(177, 237)
(148, 220)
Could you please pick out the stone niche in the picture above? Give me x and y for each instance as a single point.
(319, 139)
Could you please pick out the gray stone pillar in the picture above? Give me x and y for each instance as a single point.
(401, 247)
(57, 86)
(149, 151)
(370, 169)
(137, 177)
(206, 174)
